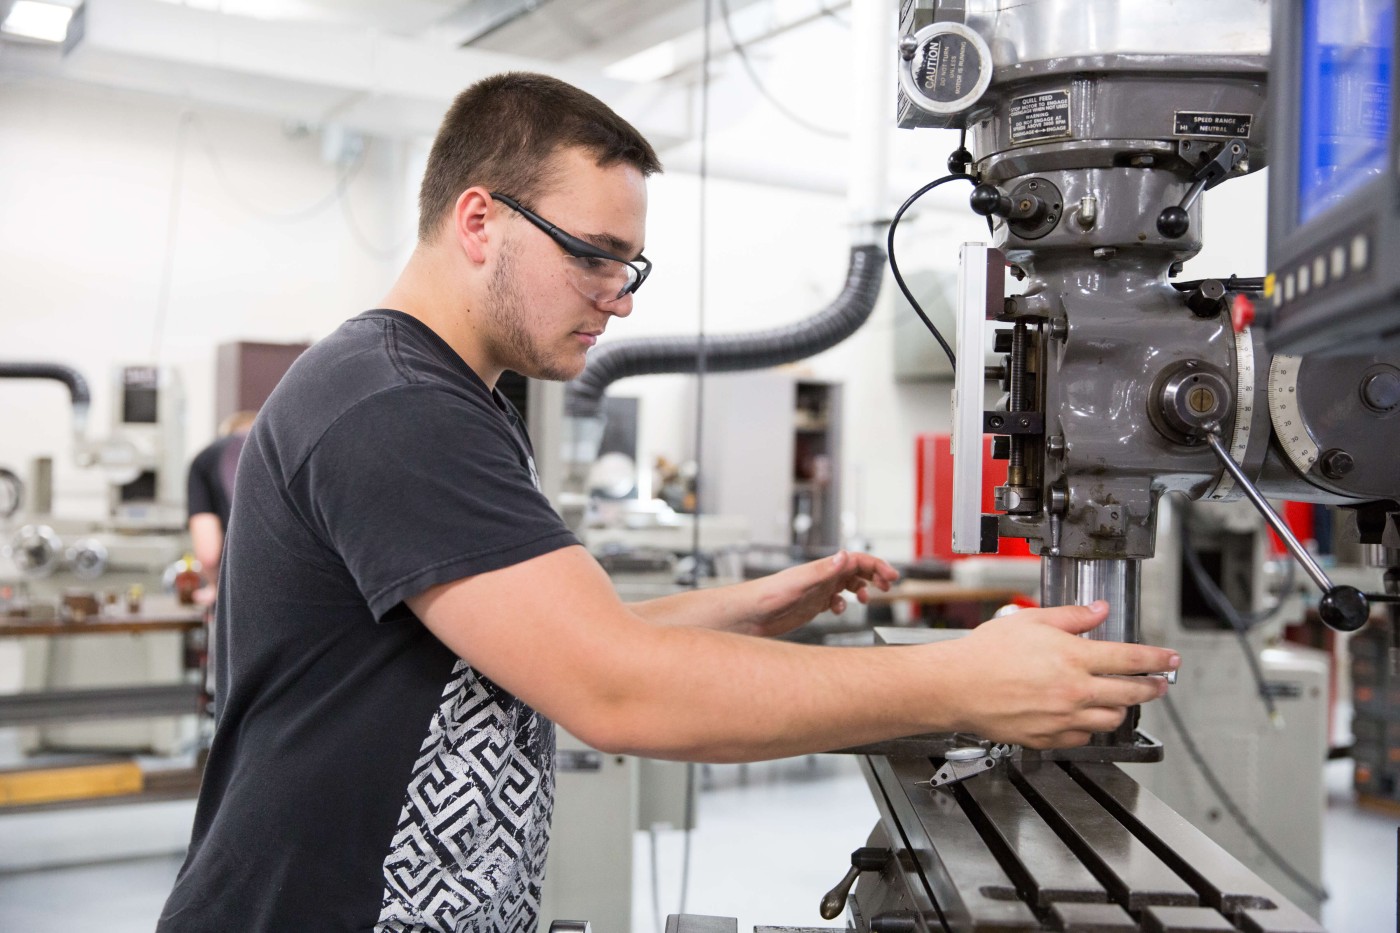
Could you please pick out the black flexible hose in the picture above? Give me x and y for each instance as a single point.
(734, 352)
(77, 385)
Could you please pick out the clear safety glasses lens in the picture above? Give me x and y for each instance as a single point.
(602, 280)
(597, 276)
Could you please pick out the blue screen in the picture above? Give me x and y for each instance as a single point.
(1345, 120)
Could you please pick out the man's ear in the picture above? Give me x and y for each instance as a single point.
(469, 222)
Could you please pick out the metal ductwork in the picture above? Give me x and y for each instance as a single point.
(734, 352)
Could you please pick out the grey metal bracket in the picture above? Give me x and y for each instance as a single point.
(959, 764)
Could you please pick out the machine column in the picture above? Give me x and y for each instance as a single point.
(1066, 581)
(1070, 581)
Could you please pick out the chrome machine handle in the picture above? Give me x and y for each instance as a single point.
(866, 858)
(1232, 158)
(1344, 608)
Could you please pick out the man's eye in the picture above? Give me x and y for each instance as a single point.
(591, 263)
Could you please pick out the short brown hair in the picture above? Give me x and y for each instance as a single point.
(502, 132)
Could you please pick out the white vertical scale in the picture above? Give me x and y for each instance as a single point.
(1245, 376)
(1286, 412)
(981, 274)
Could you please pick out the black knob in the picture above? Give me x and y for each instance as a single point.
(986, 200)
(1336, 463)
(1381, 391)
(866, 858)
(893, 923)
(959, 160)
(1001, 447)
(1207, 299)
(1001, 341)
(870, 858)
(1344, 608)
(1172, 223)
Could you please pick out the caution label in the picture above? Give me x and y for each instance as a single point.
(1039, 116)
(948, 69)
(1218, 125)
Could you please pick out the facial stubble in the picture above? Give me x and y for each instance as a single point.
(510, 312)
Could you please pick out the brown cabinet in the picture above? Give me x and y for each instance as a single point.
(247, 372)
(772, 453)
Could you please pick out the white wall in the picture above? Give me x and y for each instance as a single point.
(90, 180)
(136, 230)
(776, 256)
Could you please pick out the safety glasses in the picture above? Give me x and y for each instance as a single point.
(598, 275)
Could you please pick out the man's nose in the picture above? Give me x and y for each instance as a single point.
(618, 307)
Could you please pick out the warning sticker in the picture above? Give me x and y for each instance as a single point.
(1219, 125)
(948, 69)
(1039, 116)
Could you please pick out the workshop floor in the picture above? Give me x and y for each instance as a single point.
(771, 839)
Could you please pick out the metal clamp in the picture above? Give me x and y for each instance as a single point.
(959, 764)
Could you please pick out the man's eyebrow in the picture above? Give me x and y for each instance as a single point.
(613, 244)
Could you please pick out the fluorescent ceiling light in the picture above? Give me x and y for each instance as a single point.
(33, 19)
(647, 65)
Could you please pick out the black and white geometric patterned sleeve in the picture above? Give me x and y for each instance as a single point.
(469, 851)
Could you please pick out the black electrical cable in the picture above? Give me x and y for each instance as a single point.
(1235, 812)
(1234, 283)
(702, 227)
(758, 83)
(894, 265)
(172, 229)
(1223, 608)
(345, 176)
(1249, 619)
(831, 14)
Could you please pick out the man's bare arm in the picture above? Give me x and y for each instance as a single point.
(552, 631)
(777, 603)
(207, 542)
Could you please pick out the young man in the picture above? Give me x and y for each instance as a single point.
(209, 495)
(402, 613)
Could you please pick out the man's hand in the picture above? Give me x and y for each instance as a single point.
(793, 597)
(774, 604)
(1030, 681)
(552, 631)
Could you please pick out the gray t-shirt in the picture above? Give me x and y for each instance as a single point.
(361, 775)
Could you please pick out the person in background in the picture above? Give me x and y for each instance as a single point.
(210, 497)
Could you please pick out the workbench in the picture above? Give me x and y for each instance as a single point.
(47, 706)
(68, 779)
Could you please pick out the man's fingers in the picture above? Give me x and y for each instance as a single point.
(871, 568)
(1109, 657)
(1123, 658)
(1064, 739)
(1075, 619)
(1119, 691)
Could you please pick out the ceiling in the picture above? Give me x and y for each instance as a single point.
(390, 68)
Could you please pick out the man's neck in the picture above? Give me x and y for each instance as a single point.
(430, 289)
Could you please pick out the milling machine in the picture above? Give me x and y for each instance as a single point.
(63, 563)
(1096, 126)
